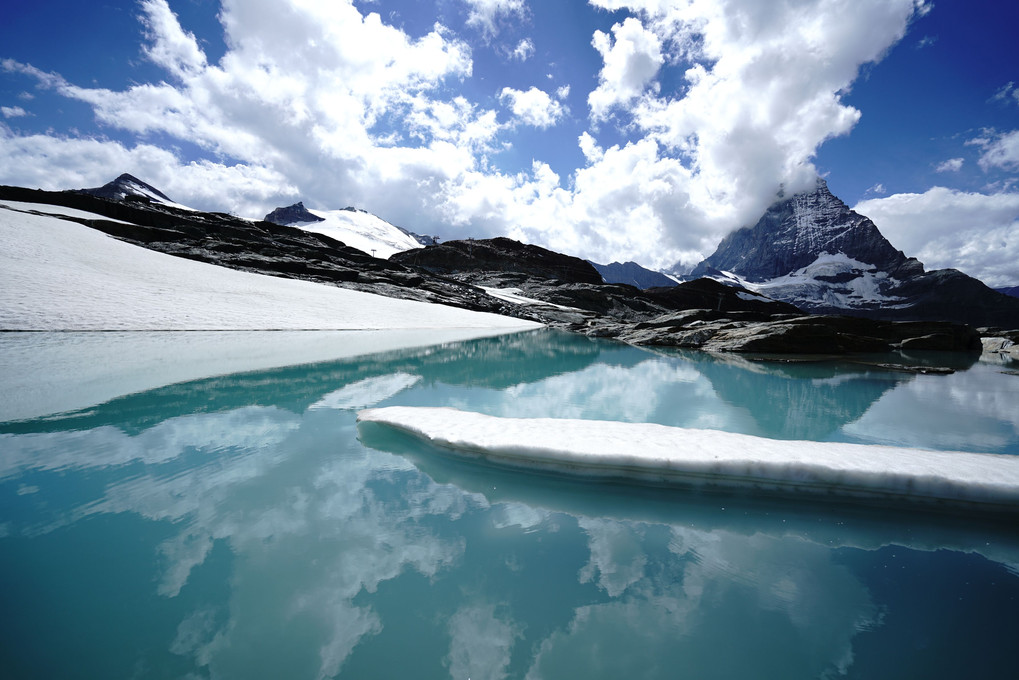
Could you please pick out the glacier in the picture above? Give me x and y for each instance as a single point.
(658, 454)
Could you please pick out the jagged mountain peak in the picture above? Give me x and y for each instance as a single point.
(813, 251)
(795, 231)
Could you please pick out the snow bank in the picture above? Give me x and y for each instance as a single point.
(58, 275)
(47, 373)
(660, 454)
(514, 296)
(361, 230)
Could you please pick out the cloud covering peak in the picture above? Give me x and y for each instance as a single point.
(692, 117)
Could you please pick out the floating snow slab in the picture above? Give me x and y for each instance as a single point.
(672, 455)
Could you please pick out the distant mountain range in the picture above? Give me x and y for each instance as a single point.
(812, 251)
(633, 274)
(1011, 290)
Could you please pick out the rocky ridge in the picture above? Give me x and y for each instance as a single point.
(632, 274)
(506, 277)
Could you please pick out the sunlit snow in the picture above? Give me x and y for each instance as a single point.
(59, 275)
(660, 454)
(361, 230)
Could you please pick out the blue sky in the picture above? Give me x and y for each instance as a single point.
(611, 129)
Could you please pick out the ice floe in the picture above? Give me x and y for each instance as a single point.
(659, 454)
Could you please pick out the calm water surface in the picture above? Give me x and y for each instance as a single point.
(241, 526)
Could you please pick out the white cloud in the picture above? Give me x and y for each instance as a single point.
(524, 50)
(480, 642)
(1007, 93)
(1000, 151)
(13, 111)
(951, 165)
(169, 45)
(632, 56)
(878, 188)
(485, 14)
(533, 107)
(320, 102)
(975, 233)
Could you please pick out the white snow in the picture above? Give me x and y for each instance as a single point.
(661, 454)
(58, 275)
(513, 295)
(367, 392)
(361, 230)
(47, 373)
(136, 188)
(803, 285)
(48, 209)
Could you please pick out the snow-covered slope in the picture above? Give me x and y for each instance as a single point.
(59, 275)
(361, 230)
(833, 281)
(660, 454)
(129, 186)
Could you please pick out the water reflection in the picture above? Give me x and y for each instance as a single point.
(235, 526)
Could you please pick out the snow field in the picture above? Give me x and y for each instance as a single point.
(58, 275)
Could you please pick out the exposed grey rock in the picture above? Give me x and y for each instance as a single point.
(632, 274)
(868, 277)
(292, 214)
(499, 255)
(836, 335)
(795, 231)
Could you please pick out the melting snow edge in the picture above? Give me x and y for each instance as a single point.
(656, 453)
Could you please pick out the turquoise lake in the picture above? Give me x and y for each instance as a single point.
(243, 526)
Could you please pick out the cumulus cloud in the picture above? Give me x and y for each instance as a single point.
(486, 14)
(999, 151)
(632, 56)
(13, 111)
(951, 165)
(320, 102)
(524, 50)
(973, 232)
(533, 107)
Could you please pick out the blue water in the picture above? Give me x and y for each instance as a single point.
(241, 526)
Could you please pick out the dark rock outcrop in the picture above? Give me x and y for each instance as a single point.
(292, 214)
(500, 255)
(752, 332)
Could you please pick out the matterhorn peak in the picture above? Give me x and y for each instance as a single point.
(795, 231)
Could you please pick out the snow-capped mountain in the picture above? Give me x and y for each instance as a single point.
(812, 251)
(355, 228)
(129, 187)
